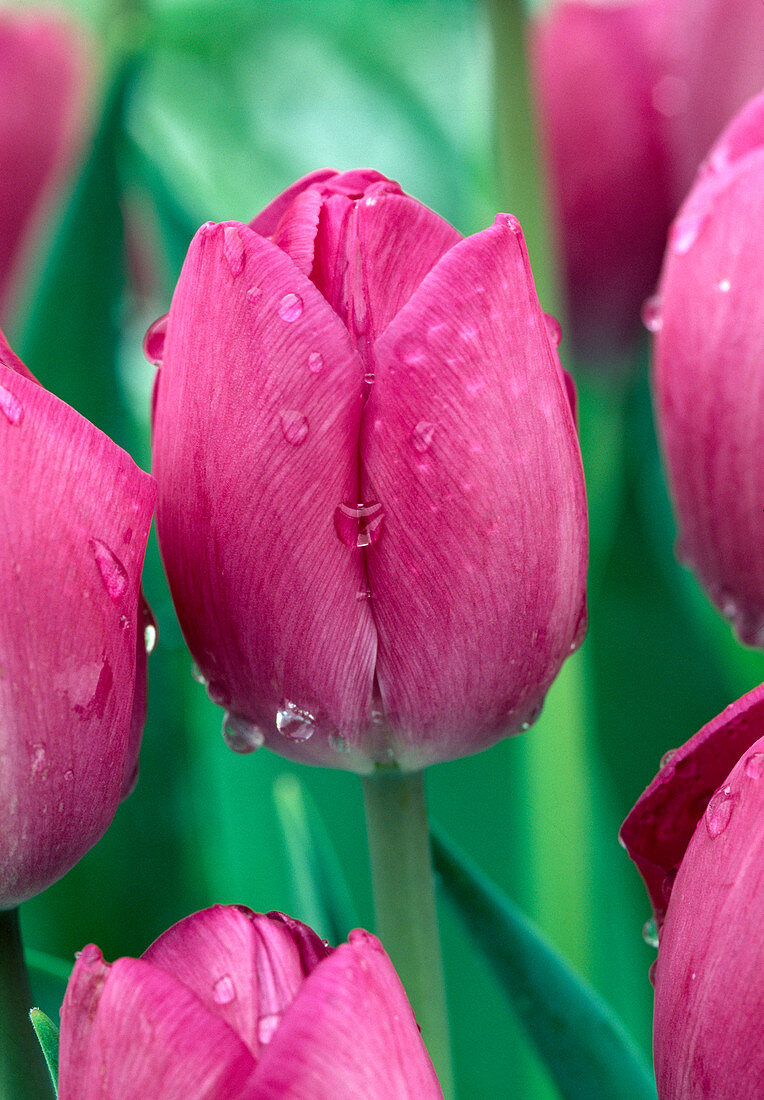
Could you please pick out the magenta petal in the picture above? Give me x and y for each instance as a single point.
(296, 232)
(75, 518)
(659, 828)
(478, 577)
(709, 980)
(262, 376)
(349, 1033)
(244, 967)
(266, 221)
(130, 1030)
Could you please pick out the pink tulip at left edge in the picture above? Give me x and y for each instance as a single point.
(74, 514)
(234, 1005)
(696, 837)
(44, 80)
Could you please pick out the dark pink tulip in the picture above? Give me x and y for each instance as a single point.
(696, 837)
(371, 504)
(76, 514)
(43, 76)
(709, 373)
(232, 1004)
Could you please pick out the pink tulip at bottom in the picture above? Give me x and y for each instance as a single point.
(696, 837)
(74, 514)
(371, 502)
(234, 1005)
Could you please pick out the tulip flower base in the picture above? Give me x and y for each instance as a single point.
(23, 1075)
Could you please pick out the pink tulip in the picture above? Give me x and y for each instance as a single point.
(696, 837)
(232, 1004)
(371, 505)
(709, 388)
(76, 514)
(43, 77)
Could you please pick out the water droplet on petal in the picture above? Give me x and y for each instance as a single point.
(652, 313)
(294, 723)
(198, 675)
(421, 437)
(68, 775)
(11, 406)
(315, 362)
(254, 294)
(666, 757)
(233, 249)
(553, 328)
(650, 932)
(719, 811)
(113, 572)
(369, 378)
(294, 427)
(217, 692)
(359, 525)
(150, 629)
(241, 735)
(290, 307)
(266, 1027)
(153, 341)
(363, 594)
(223, 991)
(724, 285)
(754, 765)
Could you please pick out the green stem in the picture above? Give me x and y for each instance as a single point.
(23, 1073)
(404, 900)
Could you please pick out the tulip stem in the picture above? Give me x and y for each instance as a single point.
(23, 1072)
(404, 902)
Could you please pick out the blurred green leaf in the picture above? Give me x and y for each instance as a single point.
(47, 1035)
(582, 1043)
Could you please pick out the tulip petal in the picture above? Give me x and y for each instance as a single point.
(75, 513)
(130, 1030)
(256, 362)
(318, 1054)
(266, 221)
(709, 979)
(469, 445)
(659, 828)
(244, 967)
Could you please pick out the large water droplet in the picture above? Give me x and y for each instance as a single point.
(719, 811)
(198, 675)
(266, 1027)
(421, 436)
(241, 735)
(233, 249)
(153, 341)
(652, 313)
(150, 629)
(224, 991)
(11, 406)
(315, 362)
(650, 932)
(294, 723)
(113, 572)
(553, 328)
(290, 307)
(359, 525)
(294, 427)
(754, 765)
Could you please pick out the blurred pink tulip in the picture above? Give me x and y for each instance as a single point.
(76, 515)
(709, 372)
(630, 96)
(696, 837)
(371, 507)
(232, 1004)
(44, 82)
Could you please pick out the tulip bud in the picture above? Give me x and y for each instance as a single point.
(695, 835)
(371, 508)
(709, 394)
(72, 653)
(233, 1004)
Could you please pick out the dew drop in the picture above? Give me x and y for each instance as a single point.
(719, 811)
(652, 313)
(11, 406)
(294, 427)
(153, 341)
(266, 1027)
(666, 757)
(724, 285)
(553, 329)
(294, 723)
(254, 294)
(68, 775)
(290, 307)
(754, 765)
(315, 362)
(113, 572)
(359, 525)
(650, 932)
(421, 437)
(198, 675)
(241, 735)
(369, 378)
(223, 991)
(363, 594)
(233, 249)
(150, 629)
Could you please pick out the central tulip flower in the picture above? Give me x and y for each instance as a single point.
(371, 503)
(234, 1005)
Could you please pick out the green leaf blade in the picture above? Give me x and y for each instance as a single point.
(47, 1036)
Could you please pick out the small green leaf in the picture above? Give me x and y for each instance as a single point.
(582, 1043)
(47, 1035)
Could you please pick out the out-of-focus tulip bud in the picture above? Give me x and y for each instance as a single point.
(232, 1004)
(371, 507)
(44, 80)
(708, 320)
(76, 515)
(696, 837)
